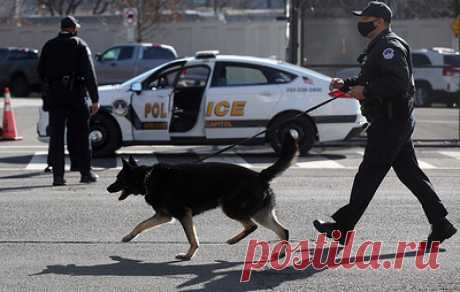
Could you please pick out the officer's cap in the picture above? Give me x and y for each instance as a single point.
(69, 21)
(376, 9)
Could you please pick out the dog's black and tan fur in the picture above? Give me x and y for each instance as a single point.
(184, 190)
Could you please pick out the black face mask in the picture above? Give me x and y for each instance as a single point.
(365, 28)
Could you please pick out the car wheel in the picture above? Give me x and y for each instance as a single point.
(422, 95)
(20, 86)
(302, 126)
(104, 135)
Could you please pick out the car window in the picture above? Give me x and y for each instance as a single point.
(126, 53)
(452, 60)
(152, 73)
(420, 60)
(278, 77)
(111, 55)
(193, 77)
(157, 53)
(164, 80)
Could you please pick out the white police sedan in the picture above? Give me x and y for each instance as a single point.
(213, 99)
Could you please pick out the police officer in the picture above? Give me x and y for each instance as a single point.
(66, 67)
(385, 88)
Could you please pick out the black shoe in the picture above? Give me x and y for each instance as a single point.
(440, 232)
(329, 227)
(88, 178)
(59, 181)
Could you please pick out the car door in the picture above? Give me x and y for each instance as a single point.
(240, 100)
(115, 65)
(188, 102)
(151, 108)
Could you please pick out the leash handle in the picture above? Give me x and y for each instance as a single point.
(334, 94)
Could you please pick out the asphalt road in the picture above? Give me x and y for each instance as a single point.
(68, 238)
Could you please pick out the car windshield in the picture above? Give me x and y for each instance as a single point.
(453, 60)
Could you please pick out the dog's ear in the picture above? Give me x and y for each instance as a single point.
(132, 161)
(126, 164)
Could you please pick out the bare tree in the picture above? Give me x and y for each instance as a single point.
(69, 7)
(152, 12)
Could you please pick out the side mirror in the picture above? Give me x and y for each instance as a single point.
(98, 56)
(136, 87)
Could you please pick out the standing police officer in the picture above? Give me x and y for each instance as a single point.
(385, 88)
(67, 69)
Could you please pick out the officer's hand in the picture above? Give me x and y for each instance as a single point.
(357, 92)
(95, 108)
(336, 83)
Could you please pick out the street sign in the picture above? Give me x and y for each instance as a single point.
(130, 16)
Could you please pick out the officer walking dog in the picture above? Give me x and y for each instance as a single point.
(66, 68)
(385, 88)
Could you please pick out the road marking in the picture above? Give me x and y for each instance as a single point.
(38, 161)
(233, 158)
(330, 164)
(22, 146)
(451, 154)
(425, 165)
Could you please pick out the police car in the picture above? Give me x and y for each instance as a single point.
(213, 99)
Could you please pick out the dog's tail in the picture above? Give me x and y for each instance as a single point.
(288, 154)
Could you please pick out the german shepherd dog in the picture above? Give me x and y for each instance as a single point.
(182, 191)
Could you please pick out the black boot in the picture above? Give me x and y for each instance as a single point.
(59, 181)
(89, 177)
(329, 227)
(441, 231)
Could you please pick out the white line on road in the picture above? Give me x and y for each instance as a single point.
(319, 164)
(38, 161)
(426, 165)
(451, 154)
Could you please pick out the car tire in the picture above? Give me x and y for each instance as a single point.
(105, 136)
(305, 129)
(422, 95)
(20, 86)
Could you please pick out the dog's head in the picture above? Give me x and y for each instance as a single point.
(130, 180)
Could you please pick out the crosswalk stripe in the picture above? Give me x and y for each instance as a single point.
(38, 161)
(451, 154)
(425, 165)
(320, 164)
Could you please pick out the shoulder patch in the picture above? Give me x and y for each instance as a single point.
(388, 53)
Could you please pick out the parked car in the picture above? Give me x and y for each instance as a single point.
(440, 83)
(436, 74)
(213, 99)
(18, 70)
(123, 62)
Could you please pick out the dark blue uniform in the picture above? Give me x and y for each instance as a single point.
(66, 67)
(389, 88)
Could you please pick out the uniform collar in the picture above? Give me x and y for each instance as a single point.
(65, 34)
(377, 38)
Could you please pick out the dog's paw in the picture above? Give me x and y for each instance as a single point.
(183, 257)
(127, 238)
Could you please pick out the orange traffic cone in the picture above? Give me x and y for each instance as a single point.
(9, 122)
